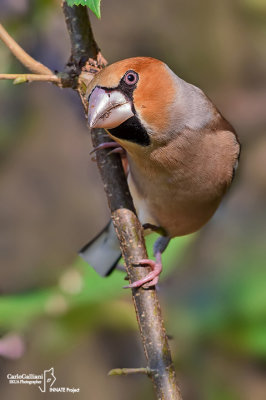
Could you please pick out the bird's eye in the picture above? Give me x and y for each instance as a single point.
(131, 78)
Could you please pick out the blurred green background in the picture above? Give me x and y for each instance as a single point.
(54, 310)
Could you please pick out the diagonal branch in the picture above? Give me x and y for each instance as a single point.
(22, 56)
(85, 61)
(128, 227)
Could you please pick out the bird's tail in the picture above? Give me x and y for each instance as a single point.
(103, 252)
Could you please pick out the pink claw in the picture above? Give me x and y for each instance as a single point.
(106, 145)
(152, 278)
(118, 150)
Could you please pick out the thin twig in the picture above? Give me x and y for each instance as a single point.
(22, 56)
(78, 72)
(128, 228)
(129, 371)
(20, 78)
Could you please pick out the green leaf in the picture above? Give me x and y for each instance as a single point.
(93, 5)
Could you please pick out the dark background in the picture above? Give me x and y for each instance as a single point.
(53, 307)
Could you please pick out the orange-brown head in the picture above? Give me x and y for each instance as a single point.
(141, 101)
(132, 95)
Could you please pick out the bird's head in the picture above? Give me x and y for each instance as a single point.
(133, 100)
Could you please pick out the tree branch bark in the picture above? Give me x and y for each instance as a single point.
(86, 60)
(128, 227)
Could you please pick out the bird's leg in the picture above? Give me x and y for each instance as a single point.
(122, 268)
(152, 278)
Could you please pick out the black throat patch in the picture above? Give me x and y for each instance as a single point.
(133, 131)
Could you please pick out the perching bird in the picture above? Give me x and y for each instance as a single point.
(181, 152)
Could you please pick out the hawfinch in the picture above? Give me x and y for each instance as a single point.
(181, 153)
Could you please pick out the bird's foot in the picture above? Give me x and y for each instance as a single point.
(109, 145)
(152, 278)
(116, 149)
(106, 145)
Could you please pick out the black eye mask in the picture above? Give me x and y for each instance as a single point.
(131, 130)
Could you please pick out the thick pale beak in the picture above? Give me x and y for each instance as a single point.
(108, 109)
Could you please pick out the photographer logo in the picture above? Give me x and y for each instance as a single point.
(44, 381)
